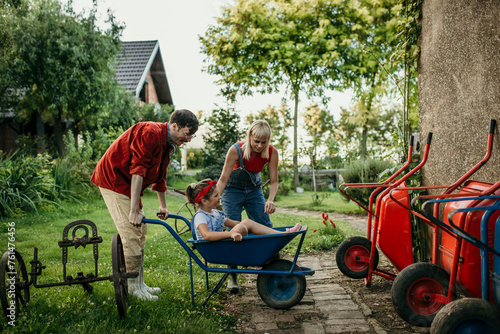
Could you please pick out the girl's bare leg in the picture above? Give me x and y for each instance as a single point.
(241, 229)
(260, 229)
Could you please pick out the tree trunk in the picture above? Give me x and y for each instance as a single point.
(459, 89)
(40, 134)
(313, 160)
(369, 104)
(295, 142)
(363, 142)
(58, 134)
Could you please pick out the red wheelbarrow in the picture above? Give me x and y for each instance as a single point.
(474, 315)
(357, 257)
(422, 289)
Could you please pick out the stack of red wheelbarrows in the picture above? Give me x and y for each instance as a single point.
(458, 289)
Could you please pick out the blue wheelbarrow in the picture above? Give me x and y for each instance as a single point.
(474, 315)
(281, 283)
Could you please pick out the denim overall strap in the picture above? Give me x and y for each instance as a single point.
(193, 229)
(240, 155)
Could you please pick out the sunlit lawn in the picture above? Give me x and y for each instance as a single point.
(326, 202)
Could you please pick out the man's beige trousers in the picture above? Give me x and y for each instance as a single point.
(133, 238)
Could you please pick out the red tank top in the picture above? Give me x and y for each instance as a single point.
(256, 162)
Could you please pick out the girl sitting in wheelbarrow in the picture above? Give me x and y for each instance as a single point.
(209, 222)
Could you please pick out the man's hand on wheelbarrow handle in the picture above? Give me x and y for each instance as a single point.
(162, 215)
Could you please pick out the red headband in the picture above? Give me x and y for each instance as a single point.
(204, 191)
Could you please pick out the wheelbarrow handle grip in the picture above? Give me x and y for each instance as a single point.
(429, 138)
(493, 123)
(412, 138)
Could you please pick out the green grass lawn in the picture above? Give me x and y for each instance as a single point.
(327, 202)
(67, 309)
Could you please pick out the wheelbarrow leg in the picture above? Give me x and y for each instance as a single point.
(216, 288)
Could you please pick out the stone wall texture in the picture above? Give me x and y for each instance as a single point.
(459, 87)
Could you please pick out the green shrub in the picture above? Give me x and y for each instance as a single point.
(283, 186)
(195, 158)
(31, 182)
(102, 139)
(26, 182)
(363, 171)
(78, 163)
(317, 199)
(214, 170)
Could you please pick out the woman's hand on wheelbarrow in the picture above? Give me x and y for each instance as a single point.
(162, 214)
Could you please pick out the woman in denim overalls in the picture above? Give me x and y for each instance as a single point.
(240, 182)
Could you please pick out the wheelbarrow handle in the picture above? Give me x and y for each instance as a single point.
(493, 123)
(429, 138)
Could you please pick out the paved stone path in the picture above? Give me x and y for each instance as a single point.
(326, 307)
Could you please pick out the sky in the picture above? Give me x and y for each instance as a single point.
(176, 24)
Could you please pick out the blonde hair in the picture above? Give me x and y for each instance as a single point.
(194, 189)
(259, 129)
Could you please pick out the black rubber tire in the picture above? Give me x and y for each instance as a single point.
(347, 253)
(12, 262)
(467, 315)
(119, 271)
(180, 225)
(409, 287)
(281, 291)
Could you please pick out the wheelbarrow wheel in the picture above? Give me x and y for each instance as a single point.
(14, 282)
(180, 225)
(352, 257)
(281, 291)
(413, 289)
(119, 274)
(467, 315)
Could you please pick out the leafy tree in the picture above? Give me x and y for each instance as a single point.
(318, 122)
(376, 130)
(154, 113)
(261, 46)
(122, 111)
(224, 131)
(405, 58)
(383, 54)
(8, 16)
(60, 66)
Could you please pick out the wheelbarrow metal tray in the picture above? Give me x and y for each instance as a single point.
(252, 251)
(394, 229)
(469, 266)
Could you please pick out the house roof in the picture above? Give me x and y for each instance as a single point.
(135, 60)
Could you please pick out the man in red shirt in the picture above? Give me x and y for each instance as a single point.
(137, 159)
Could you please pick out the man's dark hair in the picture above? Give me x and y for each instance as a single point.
(185, 118)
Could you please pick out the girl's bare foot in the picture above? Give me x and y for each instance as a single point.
(296, 228)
